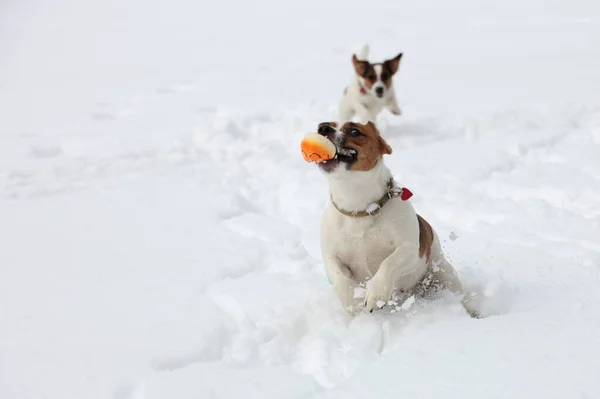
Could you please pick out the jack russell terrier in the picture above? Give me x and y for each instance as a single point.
(370, 232)
(370, 90)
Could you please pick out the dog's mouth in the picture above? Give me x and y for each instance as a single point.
(345, 155)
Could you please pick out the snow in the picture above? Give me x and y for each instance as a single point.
(160, 230)
(408, 303)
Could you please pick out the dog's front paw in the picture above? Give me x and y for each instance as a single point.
(395, 111)
(379, 292)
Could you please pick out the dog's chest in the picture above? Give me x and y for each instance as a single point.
(363, 248)
(372, 104)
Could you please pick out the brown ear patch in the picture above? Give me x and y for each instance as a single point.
(391, 66)
(425, 238)
(385, 147)
(386, 75)
(371, 125)
(365, 70)
(360, 66)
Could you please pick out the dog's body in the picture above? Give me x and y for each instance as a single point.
(395, 250)
(371, 90)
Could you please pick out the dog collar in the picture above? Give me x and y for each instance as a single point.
(374, 208)
(362, 89)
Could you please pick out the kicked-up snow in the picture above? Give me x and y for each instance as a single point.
(159, 229)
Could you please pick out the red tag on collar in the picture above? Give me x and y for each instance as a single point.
(405, 194)
(363, 91)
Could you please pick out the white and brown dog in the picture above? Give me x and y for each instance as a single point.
(370, 232)
(370, 90)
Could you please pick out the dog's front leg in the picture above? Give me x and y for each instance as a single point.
(345, 110)
(343, 284)
(403, 261)
(392, 105)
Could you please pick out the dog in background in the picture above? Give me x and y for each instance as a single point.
(370, 90)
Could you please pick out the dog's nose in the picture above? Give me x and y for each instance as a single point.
(379, 91)
(324, 130)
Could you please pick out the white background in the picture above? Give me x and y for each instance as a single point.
(159, 230)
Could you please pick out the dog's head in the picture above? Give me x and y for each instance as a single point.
(358, 147)
(376, 78)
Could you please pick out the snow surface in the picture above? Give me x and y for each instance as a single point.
(159, 229)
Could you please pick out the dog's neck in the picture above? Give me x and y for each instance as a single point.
(361, 87)
(355, 191)
(367, 95)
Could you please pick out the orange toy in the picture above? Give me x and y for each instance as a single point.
(316, 148)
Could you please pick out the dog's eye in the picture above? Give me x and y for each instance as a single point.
(372, 77)
(355, 133)
(384, 76)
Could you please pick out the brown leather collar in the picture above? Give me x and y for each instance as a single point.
(374, 209)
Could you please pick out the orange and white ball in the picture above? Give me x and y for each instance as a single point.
(317, 148)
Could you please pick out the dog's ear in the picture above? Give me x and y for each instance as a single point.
(384, 147)
(361, 67)
(371, 125)
(326, 127)
(393, 64)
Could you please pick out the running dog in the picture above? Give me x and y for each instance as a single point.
(370, 90)
(370, 232)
